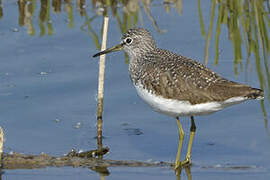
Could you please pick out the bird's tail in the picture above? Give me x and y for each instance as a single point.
(255, 93)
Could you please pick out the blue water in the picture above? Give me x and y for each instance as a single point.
(48, 90)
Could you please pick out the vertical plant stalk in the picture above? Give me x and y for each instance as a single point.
(201, 19)
(101, 84)
(209, 34)
(1, 146)
(48, 19)
(218, 29)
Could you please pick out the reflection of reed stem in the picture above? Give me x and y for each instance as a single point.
(1, 146)
(1, 9)
(201, 18)
(50, 29)
(101, 84)
(206, 49)
(219, 20)
(148, 13)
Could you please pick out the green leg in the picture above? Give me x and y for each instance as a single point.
(181, 138)
(187, 161)
(188, 173)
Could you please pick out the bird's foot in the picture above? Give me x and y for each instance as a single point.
(177, 166)
(186, 162)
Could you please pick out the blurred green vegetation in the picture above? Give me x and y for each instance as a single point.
(247, 23)
(248, 26)
(1, 9)
(126, 12)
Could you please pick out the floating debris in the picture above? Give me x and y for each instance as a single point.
(124, 124)
(78, 125)
(57, 120)
(43, 73)
(15, 30)
(88, 154)
(210, 143)
(133, 131)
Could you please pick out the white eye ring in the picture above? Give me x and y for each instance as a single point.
(128, 40)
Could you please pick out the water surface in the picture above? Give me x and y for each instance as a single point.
(48, 89)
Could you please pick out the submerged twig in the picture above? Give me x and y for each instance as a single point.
(88, 154)
(74, 159)
(84, 159)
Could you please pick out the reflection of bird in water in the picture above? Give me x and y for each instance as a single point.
(176, 85)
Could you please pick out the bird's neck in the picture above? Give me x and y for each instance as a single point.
(137, 66)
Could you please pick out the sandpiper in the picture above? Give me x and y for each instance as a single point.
(176, 85)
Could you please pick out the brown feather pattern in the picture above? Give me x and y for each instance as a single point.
(177, 77)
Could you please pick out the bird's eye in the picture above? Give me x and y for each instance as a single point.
(128, 40)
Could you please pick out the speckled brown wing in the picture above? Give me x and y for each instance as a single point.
(178, 77)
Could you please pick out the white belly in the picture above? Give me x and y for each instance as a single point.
(176, 108)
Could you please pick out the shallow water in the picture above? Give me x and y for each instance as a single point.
(48, 87)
